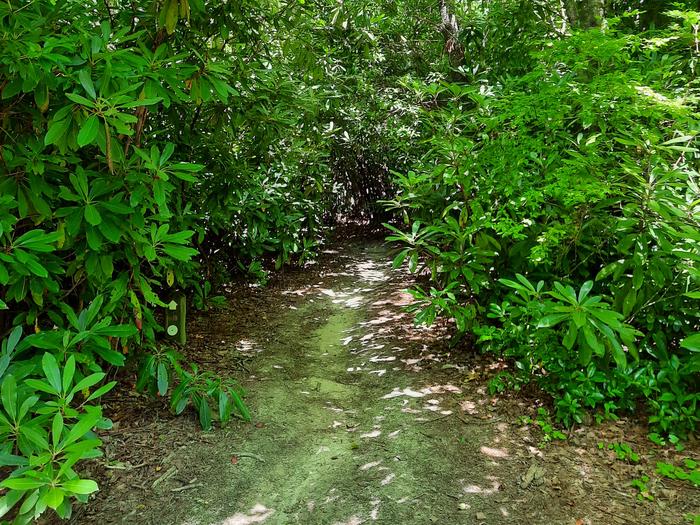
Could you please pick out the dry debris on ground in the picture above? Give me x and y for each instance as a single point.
(361, 417)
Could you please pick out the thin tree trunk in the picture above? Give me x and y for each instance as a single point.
(653, 16)
(450, 31)
(585, 13)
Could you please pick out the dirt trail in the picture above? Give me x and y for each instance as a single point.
(360, 419)
(348, 435)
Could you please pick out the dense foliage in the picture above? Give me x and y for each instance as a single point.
(540, 159)
(557, 210)
(147, 148)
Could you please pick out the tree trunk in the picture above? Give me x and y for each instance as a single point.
(585, 13)
(653, 16)
(450, 31)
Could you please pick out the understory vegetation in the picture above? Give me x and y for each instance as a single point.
(535, 160)
(557, 212)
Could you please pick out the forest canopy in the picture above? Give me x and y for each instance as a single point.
(535, 161)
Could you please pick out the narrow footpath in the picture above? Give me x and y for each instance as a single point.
(361, 417)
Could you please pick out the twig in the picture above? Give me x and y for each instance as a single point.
(435, 419)
(436, 491)
(168, 474)
(187, 487)
(475, 421)
(109, 13)
(682, 157)
(624, 520)
(463, 420)
(248, 455)
(126, 467)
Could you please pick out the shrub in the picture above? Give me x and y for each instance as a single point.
(580, 175)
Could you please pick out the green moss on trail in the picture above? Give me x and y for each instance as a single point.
(335, 449)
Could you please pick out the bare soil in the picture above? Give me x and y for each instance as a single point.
(362, 417)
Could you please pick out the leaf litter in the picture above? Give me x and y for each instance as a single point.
(335, 442)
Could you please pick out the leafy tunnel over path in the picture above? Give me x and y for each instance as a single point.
(536, 164)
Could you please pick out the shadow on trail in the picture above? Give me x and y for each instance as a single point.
(355, 427)
(360, 417)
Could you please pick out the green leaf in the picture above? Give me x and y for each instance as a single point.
(92, 216)
(78, 99)
(181, 253)
(83, 446)
(86, 82)
(609, 317)
(54, 498)
(102, 390)
(36, 268)
(26, 405)
(41, 386)
(224, 407)
(629, 302)
(585, 290)
(548, 321)
(117, 330)
(80, 486)
(400, 258)
(37, 241)
(579, 318)
(110, 230)
(162, 379)
(111, 356)
(637, 277)
(51, 370)
(88, 131)
(31, 263)
(692, 343)
(13, 339)
(83, 426)
(171, 15)
(9, 500)
(93, 238)
(8, 392)
(567, 292)
(57, 429)
(141, 102)
(68, 372)
(168, 151)
(56, 131)
(593, 341)
(88, 382)
(585, 354)
(678, 140)
(413, 262)
(29, 502)
(204, 412)
(570, 337)
(616, 349)
(188, 166)
(22, 483)
(9, 460)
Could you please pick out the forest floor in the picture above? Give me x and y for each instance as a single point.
(362, 417)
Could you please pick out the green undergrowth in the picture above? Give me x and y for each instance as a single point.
(556, 211)
(541, 156)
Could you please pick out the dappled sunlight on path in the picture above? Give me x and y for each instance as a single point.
(359, 417)
(347, 406)
(258, 514)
